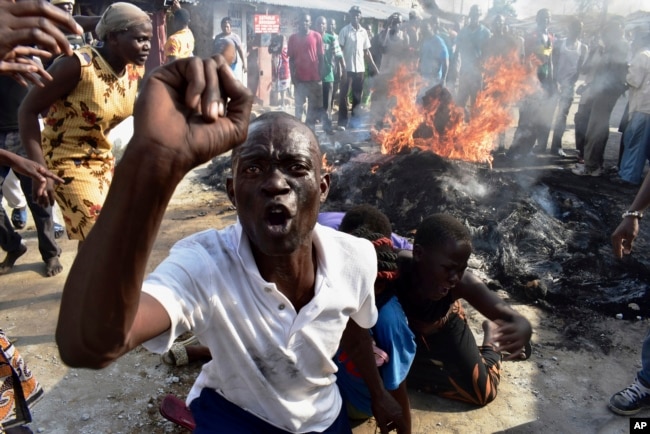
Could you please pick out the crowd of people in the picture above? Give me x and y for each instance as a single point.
(455, 55)
(290, 305)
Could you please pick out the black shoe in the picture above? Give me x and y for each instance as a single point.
(58, 231)
(630, 400)
(19, 217)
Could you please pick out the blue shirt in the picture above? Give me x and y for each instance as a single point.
(391, 334)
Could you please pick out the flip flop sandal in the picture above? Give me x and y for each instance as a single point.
(177, 354)
(175, 410)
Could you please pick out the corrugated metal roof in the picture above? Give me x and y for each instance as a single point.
(369, 9)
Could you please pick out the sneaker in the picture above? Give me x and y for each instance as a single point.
(19, 217)
(561, 153)
(630, 400)
(58, 231)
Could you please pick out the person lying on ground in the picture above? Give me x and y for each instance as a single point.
(271, 295)
(636, 396)
(395, 343)
(431, 283)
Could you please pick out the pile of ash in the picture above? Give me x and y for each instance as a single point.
(541, 235)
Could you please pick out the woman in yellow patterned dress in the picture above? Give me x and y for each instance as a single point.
(91, 92)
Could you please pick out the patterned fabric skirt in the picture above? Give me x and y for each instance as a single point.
(19, 388)
(82, 195)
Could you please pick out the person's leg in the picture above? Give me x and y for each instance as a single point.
(16, 200)
(524, 138)
(357, 91)
(341, 425)
(544, 110)
(625, 119)
(343, 100)
(301, 98)
(335, 89)
(12, 191)
(562, 113)
(451, 365)
(636, 396)
(314, 102)
(581, 121)
(212, 410)
(10, 241)
(23, 389)
(328, 89)
(47, 245)
(597, 132)
(462, 97)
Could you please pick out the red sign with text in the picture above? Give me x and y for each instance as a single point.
(266, 23)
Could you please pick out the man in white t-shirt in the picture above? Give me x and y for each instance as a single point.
(271, 296)
(355, 44)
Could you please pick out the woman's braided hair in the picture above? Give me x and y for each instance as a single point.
(386, 256)
(365, 221)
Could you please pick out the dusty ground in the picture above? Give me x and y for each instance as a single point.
(563, 388)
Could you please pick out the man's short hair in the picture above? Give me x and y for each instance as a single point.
(225, 20)
(368, 216)
(182, 16)
(355, 10)
(437, 229)
(274, 118)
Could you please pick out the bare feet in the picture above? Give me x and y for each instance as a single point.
(489, 328)
(10, 259)
(53, 267)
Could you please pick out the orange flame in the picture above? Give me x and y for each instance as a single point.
(325, 166)
(439, 125)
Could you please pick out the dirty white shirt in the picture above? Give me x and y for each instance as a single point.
(267, 358)
(638, 78)
(354, 42)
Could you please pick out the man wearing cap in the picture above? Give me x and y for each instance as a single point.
(355, 44)
(76, 41)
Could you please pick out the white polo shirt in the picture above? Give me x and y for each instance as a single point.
(267, 358)
(353, 43)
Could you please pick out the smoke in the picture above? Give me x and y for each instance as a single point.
(528, 8)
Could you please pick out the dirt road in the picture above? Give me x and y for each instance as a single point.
(563, 388)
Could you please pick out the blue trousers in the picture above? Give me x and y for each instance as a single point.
(10, 239)
(644, 373)
(215, 414)
(637, 148)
